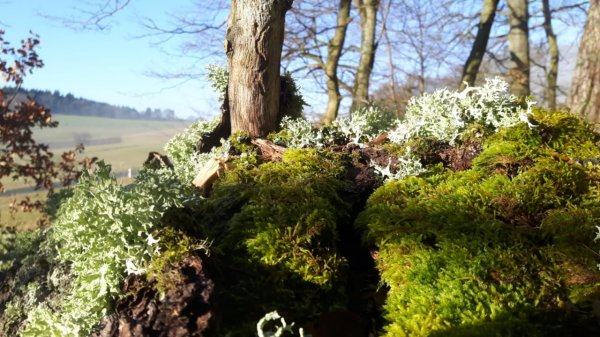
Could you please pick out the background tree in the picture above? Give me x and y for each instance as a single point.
(426, 44)
(584, 97)
(21, 157)
(488, 13)
(518, 45)
(368, 46)
(552, 71)
(314, 45)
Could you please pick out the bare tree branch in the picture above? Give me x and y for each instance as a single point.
(95, 15)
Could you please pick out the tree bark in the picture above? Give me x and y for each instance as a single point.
(333, 57)
(471, 68)
(368, 16)
(518, 46)
(253, 44)
(584, 98)
(552, 73)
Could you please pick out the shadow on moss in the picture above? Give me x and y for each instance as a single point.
(275, 232)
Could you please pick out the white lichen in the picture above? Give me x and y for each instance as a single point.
(444, 114)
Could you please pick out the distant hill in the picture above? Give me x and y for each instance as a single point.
(70, 105)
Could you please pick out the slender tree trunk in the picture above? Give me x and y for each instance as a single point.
(393, 83)
(552, 73)
(254, 41)
(488, 13)
(584, 98)
(333, 57)
(368, 15)
(518, 46)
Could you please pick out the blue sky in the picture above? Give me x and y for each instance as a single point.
(111, 65)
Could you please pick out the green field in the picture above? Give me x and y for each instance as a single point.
(122, 143)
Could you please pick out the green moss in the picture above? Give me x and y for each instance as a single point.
(567, 133)
(503, 249)
(173, 246)
(275, 229)
(509, 149)
(555, 133)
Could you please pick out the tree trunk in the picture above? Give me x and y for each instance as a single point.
(368, 16)
(254, 41)
(552, 73)
(584, 98)
(488, 12)
(518, 46)
(333, 57)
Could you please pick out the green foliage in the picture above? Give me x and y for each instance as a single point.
(567, 133)
(29, 280)
(504, 249)
(102, 232)
(298, 232)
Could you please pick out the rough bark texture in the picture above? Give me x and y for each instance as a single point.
(584, 98)
(488, 13)
(552, 72)
(333, 57)
(368, 16)
(518, 46)
(253, 45)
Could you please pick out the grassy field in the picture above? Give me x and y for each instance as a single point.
(122, 143)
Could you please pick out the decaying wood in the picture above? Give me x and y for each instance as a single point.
(379, 139)
(214, 167)
(208, 174)
(268, 150)
(157, 160)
